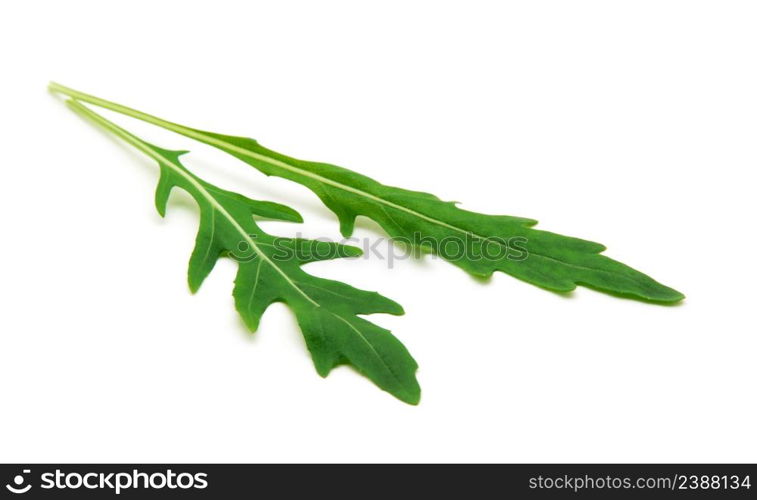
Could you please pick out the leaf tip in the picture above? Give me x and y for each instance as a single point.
(160, 207)
(668, 296)
(194, 286)
(291, 215)
(395, 308)
(351, 251)
(410, 394)
(346, 225)
(414, 399)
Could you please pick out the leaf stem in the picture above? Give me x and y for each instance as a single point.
(127, 136)
(119, 108)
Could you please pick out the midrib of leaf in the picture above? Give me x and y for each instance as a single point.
(180, 129)
(214, 204)
(370, 346)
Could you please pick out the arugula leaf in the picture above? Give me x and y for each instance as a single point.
(270, 271)
(478, 243)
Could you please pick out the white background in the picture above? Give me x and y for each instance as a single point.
(629, 123)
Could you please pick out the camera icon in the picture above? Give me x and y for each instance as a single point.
(18, 481)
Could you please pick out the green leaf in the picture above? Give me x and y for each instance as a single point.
(269, 270)
(478, 243)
